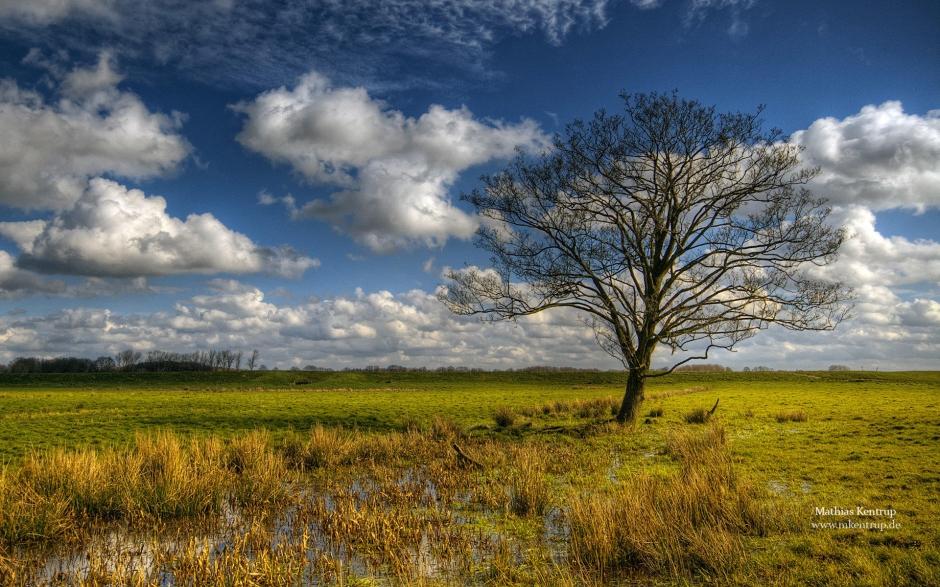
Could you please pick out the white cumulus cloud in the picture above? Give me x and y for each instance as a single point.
(50, 149)
(413, 328)
(119, 232)
(395, 171)
(881, 157)
(867, 257)
(16, 282)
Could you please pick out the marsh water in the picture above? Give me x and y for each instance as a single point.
(435, 538)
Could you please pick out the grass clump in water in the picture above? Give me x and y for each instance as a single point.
(693, 521)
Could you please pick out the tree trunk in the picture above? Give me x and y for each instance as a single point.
(632, 397)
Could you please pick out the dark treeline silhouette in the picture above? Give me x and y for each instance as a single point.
(133, 361)
(226, 360)
(463, 369)
(706, 368)
(57, 365)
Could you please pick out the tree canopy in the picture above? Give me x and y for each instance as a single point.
(668, 225)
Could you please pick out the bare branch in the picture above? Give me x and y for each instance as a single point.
(669, 224)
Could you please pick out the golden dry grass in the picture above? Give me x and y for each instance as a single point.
(677, 525)
(558, 499)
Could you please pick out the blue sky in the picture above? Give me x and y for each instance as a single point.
(181, 100)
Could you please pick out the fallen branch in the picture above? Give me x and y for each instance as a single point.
(463, 460)
(714, 407)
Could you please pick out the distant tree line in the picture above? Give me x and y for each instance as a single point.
(130, 360)
(706, 368)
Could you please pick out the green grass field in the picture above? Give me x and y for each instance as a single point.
(809, 439)
(43, 411)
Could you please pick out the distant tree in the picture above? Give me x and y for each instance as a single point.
(53, 365)
(746, 370)
(127, 358)
(669, 225)
(253, 360)
(24, 365)
(838, 367)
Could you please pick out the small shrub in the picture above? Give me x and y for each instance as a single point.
(504, 417)
(594, 408)
(323, 447)
(655, 413)
(699, 416)
(796, 416)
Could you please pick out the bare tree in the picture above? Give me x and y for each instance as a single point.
(669, 225)
(253, 360)
(127, 357)
(104, 364)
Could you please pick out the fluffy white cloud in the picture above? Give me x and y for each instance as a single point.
(50, 150)
(15, 282)
(884, 332)
(893, 324)
(119, 232)
(869, 258)
(920, 312)
(413, 328)
(380, 327)
(881, 158)
(396, 171)
(18, 283)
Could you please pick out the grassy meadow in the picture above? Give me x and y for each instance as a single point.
(286, 478)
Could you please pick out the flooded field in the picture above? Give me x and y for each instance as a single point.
(549, 493)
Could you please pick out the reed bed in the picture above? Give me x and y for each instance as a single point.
(597, 408)
(675, 525)
(332, 506)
